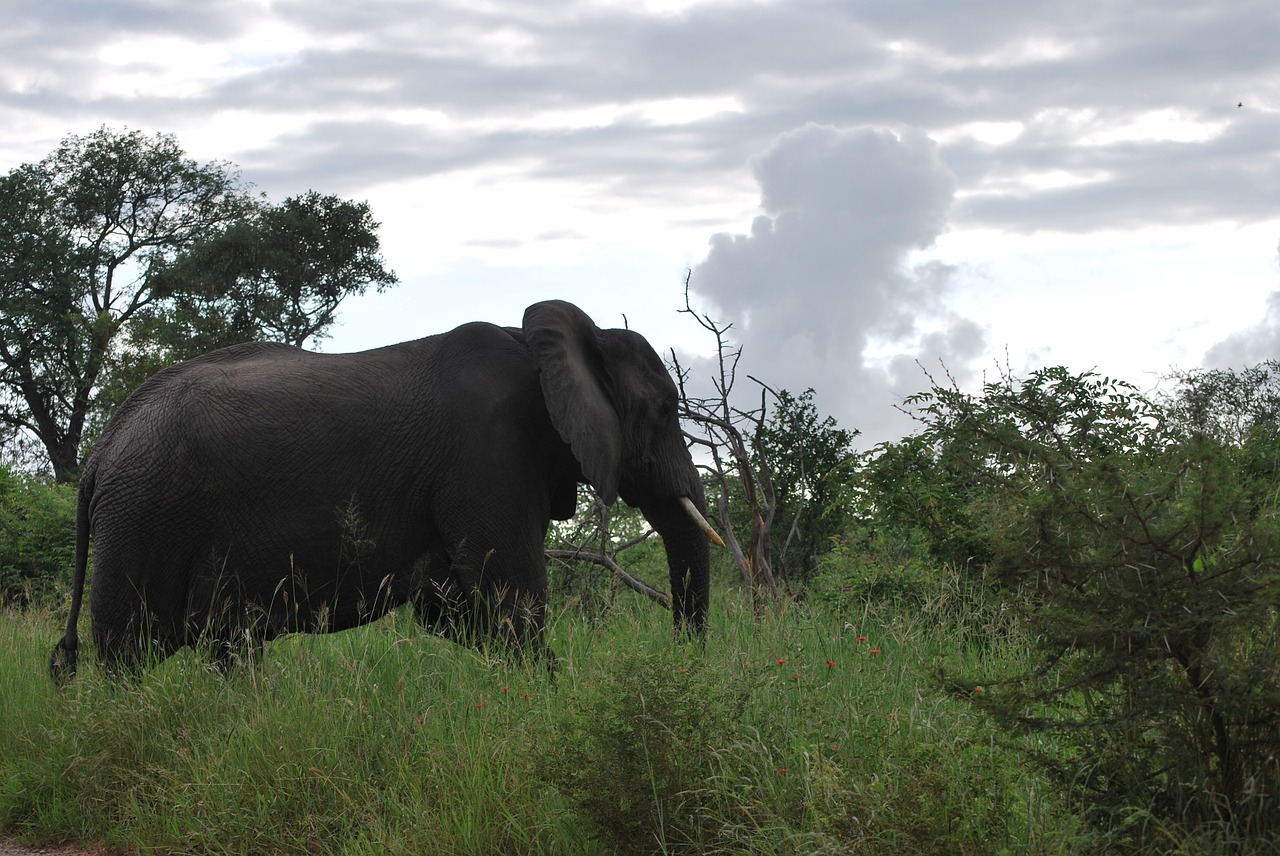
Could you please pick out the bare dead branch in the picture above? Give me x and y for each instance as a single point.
(652, 592)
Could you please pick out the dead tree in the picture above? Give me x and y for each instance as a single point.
(727, 436)
(721, 430)
(591, 540)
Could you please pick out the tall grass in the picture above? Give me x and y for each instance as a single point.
(814, 730)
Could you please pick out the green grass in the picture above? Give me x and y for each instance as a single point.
(783, 735)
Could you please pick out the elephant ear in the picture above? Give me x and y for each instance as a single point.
(564, 342)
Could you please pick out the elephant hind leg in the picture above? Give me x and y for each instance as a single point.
(133, 626)
(127, 649)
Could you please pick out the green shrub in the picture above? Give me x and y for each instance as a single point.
(37, 536)
(637, 749)
(1145, 560)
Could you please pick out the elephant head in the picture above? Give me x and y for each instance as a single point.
(612, 401)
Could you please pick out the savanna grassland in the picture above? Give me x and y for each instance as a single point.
(1048, 623)
(821, 728)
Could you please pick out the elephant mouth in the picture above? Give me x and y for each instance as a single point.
(692, 510)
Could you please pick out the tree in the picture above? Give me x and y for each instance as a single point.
(1145, 560)
(812, 462)
(83, 234)
(778, 467)
(278, 274)
(723, 433)
(1227, 405)
(119, 255)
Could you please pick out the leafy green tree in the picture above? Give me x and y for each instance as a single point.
(1227, 405)
(82, 235)
(1145, 559)
(120, 255)
(917, 491)
(278, 274)
(810, 462)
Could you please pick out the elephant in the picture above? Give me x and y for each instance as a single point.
(263, 489)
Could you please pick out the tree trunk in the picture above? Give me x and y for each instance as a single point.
(65, 457)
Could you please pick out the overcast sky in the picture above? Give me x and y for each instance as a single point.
(856, 186)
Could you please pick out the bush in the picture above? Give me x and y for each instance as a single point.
(37, 537)
(638, 751)
(1146, 562)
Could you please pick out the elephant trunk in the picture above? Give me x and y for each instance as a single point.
(688, 559)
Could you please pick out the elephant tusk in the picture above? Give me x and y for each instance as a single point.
(700, 520)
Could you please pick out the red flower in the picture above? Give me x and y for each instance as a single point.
(782, 662)
(782, 770)
(977, 689)
(874, 651)
(831, 664)
(862, 639)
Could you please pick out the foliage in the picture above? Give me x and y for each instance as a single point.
(37, 547)
(809, 731)
(119, 255)
(919, 489)
(82, 234)
(637, 747)
(1144, 559)
(811, 463)
(278, 275)
(1227, 405)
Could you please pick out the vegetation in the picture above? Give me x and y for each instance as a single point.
(37, 537)
(1047, 622)
(100, 245)
(811, 464)
(1051, 627)
(812, 731)
(1140, 553)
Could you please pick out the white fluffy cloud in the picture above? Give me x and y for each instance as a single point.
(1108, 171)
(1251, 345)
(822, 291)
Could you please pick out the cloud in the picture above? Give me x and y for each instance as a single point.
(823, 291)
(481, 130)
(1252, 345)
(342, 84)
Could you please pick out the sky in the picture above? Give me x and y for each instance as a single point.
(871, 192)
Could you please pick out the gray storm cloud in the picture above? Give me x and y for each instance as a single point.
(822, 291)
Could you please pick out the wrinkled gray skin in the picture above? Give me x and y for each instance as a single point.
(262, 489)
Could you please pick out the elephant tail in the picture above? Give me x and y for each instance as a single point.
(62, 662)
